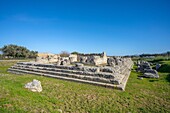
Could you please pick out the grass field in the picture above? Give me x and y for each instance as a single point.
(147, 95)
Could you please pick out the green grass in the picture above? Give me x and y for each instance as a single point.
(147, 95)
(153, 60)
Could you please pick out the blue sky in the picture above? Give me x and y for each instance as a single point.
(118, 27)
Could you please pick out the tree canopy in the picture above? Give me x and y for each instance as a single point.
(75, 52)
(64, 54)
(15, 51)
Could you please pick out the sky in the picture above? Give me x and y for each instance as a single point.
(118, 27)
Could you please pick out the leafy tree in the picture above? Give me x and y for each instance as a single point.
(64, 54)
(15, 51)
(75, 52)
(33, 54)
(168, 54)
(1, 56)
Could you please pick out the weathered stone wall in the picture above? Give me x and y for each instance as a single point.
(53, 59)
(73, 58)
(118, 61)
(48, 59)
(93, 59)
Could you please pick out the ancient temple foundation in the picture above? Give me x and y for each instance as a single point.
(113, 75)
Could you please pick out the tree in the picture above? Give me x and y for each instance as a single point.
(75, 52)
(64, 54)
(33, 54)
(15, 51)
(1, 56)
(168, 53)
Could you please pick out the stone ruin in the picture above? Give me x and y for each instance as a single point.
(47, 58)
(89, 59)
(34, 86)
(93, 59)
(95, 69)
(145, 68)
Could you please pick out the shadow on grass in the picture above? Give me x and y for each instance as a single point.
(165, 68)
(140, 76)
(153, 80)
(168, 78)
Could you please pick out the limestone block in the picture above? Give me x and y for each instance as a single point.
(79, 65)
(111, 61)
(34, 86)
(107, 69)
(150, 71)
(151, 75)
(73, 58)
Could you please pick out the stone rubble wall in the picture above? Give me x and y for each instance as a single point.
(93, 59)
(73, 58)
(48, 59)
(90, 59)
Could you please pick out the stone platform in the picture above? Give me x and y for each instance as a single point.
(103, 76)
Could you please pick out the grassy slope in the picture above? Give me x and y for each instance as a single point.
(147, 95)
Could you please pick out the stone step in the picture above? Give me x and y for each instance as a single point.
(112, 80)
(100, 74)
(116, 80)
(125, 79)
(123, 70)
(68, 67)
(16, 71)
